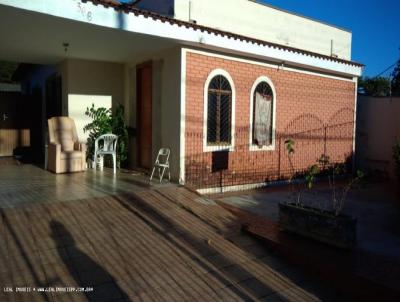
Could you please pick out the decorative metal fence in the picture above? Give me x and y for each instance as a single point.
(248, 166)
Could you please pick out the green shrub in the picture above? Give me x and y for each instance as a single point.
(103, 122)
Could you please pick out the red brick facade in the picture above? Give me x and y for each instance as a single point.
(317, 112)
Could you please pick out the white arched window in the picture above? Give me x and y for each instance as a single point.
(219, 111)
(262, 115)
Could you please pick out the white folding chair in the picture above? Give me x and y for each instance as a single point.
(105, 144)
(162, 163)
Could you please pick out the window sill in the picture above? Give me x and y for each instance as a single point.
(255, 148)
(211, 148)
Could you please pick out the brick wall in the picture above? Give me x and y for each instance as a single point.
(316, 112)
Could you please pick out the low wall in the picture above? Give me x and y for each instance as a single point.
(378, 127)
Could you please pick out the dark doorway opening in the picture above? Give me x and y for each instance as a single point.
(144, 75)
(38, 97)
(53, 96)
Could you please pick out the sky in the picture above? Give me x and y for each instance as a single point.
(375, 25)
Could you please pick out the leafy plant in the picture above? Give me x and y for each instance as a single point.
(338, 204)
(289, 145)
(323, 164)
(396, 156)
(103, 122)
(311, 173)
(120, 128)
(323, 161)
(338, 196)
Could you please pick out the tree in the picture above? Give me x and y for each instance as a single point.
(396, 80)
(378, 86)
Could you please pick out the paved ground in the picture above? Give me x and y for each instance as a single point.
(375, 205)
(28, 184)
(131, 242)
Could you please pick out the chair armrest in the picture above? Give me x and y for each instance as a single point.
(54, 148)
(80, 147)
(53, 157)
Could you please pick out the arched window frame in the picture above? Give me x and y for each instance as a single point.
(231, 146)
(252, 146)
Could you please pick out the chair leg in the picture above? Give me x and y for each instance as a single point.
(101, 162)
(152, 173)
(169, 174)
(115, 163)
(162, 174)
(95, 161)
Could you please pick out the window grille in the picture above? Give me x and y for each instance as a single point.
(219, 115)
(263, 115)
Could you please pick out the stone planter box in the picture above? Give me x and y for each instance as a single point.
(339, 231)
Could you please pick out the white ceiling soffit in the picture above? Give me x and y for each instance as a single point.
(109, 17)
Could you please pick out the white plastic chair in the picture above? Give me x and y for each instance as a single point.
(162, 163)
(109, 146)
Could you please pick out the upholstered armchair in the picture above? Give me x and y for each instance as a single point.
(65, 153)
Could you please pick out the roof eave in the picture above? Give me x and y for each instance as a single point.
(130, 9)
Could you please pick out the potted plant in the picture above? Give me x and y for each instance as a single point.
(325, 225)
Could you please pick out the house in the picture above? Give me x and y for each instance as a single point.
(221, 83)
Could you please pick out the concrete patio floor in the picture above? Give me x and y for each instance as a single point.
(129, 241)
(27, 184)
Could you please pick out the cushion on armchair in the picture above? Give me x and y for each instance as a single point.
(70, 156)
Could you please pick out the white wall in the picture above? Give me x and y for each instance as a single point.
(77, 104)
(85, 82)
(166, 104)
(96, 78)
(239, 16)
(262, 22)
(170, 105)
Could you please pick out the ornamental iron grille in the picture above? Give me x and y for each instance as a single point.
(219, 111)
(262, 115)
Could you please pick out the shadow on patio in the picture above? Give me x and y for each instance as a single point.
(162, 243)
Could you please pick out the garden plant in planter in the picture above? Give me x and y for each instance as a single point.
(330, 226)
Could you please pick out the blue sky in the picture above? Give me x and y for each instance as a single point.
(375, 26)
